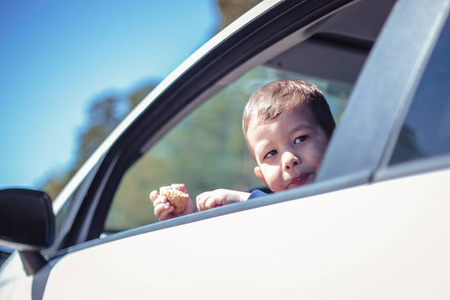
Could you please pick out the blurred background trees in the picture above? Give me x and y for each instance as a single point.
(105, 113)
(205, 151)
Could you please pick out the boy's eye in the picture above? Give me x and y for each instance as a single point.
(270, 153)
(301, 139)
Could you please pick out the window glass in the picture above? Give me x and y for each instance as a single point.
(425, 132)
(205, 151)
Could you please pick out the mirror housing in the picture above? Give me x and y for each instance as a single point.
(27, 223)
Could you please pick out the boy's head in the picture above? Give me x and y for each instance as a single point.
(287, 125)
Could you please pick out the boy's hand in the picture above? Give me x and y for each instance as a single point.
(164, 210)
(208, 200)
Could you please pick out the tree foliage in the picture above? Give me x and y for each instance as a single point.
(102, 117)
(232, 9)
(205, 151)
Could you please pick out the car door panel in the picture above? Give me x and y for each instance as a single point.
(373, 241)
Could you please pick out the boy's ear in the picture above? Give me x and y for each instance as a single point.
(259, 174)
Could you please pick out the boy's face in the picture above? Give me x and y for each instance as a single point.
(288, 150)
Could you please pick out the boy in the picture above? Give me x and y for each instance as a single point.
(287, 125)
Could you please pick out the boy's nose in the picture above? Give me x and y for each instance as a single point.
(290, 160)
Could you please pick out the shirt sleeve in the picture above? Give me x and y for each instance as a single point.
(256, 194)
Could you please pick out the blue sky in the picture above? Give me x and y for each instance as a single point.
(56, 57)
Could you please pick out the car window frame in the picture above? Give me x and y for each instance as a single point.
(127, 142)
(119, 156)
(281, 25)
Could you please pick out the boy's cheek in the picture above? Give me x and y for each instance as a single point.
(270, 175)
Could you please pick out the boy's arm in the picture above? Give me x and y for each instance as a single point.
(220, 197)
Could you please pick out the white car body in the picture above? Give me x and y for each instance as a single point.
(369, 228)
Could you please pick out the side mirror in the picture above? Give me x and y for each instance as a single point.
(27, 223)
(26, 219)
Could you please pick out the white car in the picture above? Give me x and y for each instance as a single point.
(374, 225)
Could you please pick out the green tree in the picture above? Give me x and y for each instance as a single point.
(205, 151)
(103, 116)
(230, 10)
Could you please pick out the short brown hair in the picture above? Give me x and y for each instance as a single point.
(269, 101)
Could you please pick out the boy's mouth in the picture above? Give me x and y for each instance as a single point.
(301, 180)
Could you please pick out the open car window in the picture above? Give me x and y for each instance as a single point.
(199, 142)
(205, 151)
